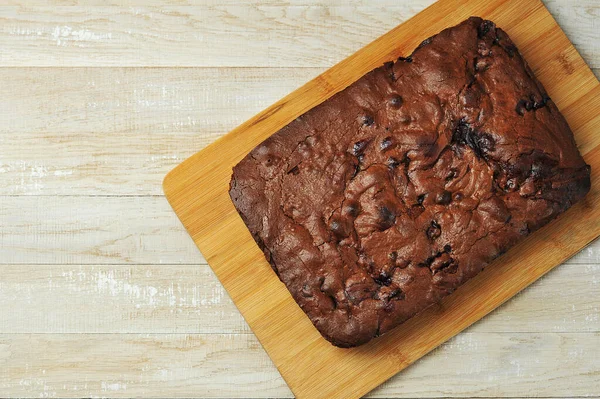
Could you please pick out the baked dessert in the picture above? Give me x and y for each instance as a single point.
(385, 198)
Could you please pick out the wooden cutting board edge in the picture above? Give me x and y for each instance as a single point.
(182, 189)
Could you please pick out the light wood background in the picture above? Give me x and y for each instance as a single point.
(102, 292)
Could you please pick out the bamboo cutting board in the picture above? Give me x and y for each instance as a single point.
(198, 191)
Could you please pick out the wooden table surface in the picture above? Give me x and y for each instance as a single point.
(103, 293)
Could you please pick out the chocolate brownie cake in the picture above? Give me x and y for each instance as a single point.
(385, 198)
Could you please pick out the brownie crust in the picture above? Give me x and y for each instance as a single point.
(385, 198)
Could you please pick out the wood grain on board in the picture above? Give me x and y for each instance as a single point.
(198, 191)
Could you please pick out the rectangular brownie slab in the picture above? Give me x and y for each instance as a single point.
(385, 198)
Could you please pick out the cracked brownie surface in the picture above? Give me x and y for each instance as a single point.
(385, 198)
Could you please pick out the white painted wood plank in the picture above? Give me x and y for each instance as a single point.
(125, 3)
(221, 34)
(115, 131)
(590, 254)
(145, 365)
(564, 300)
(139, 100)
(580, 20)
(109, 230)
(115, 299)
(80, 230)
(504, 365)
(211, 366)
(214, 35)
(118, 131)
(190, 299)
(94, 163)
